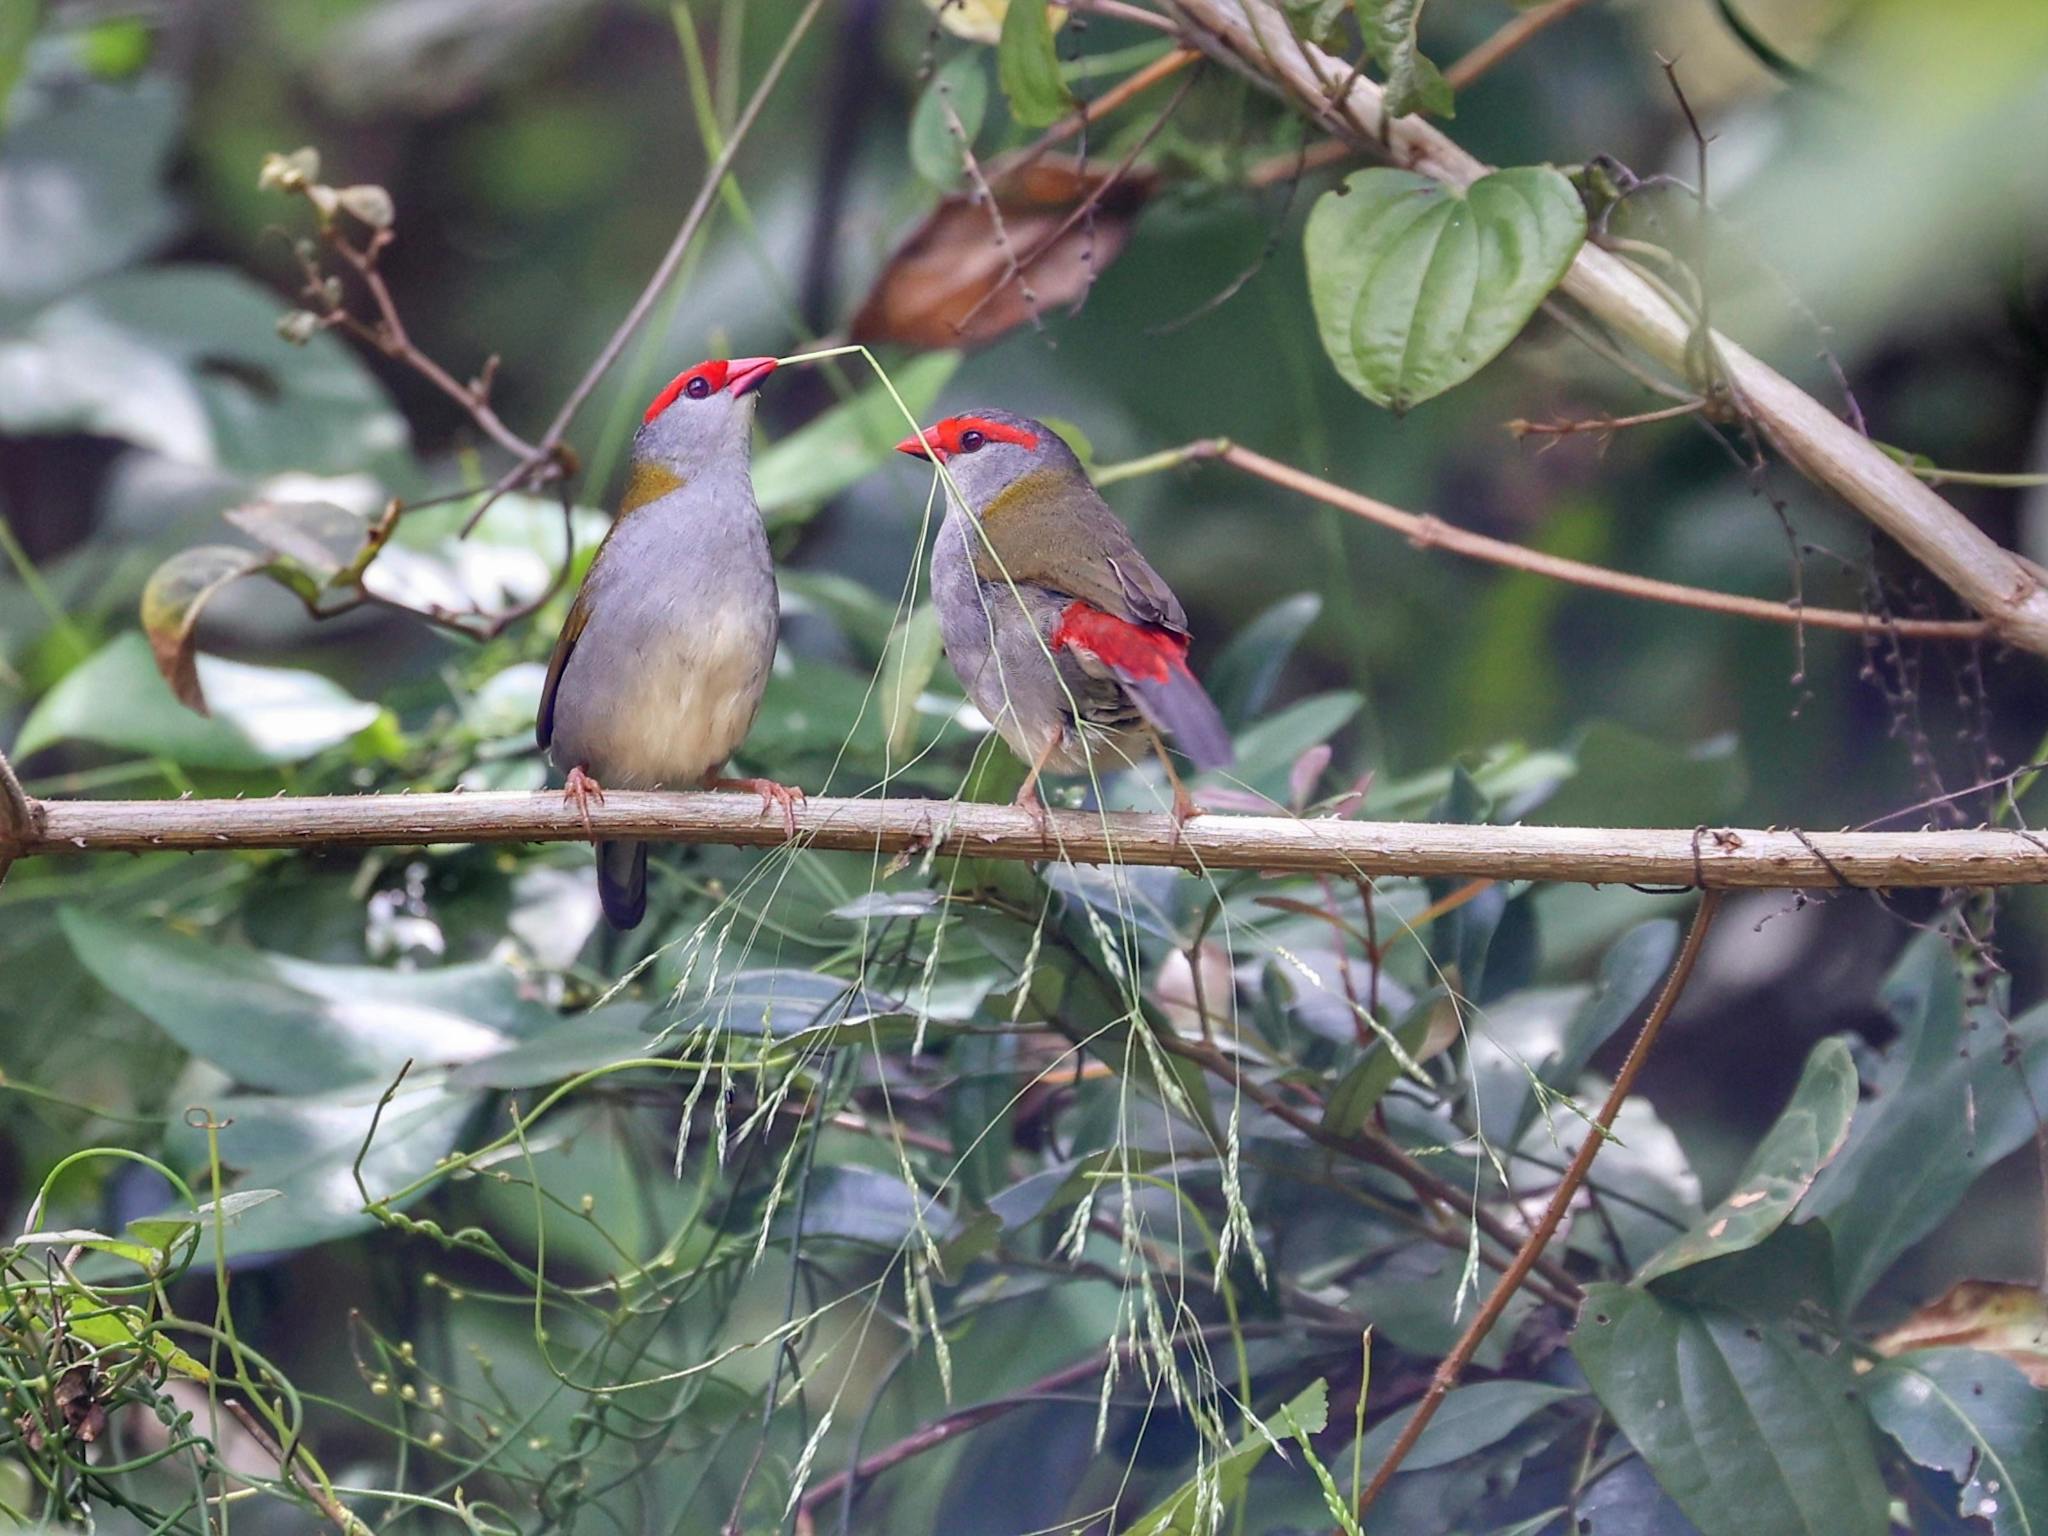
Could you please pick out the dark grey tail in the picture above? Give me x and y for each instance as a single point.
(622, 882)
(1179, 708)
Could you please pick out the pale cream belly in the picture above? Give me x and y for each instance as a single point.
(686, 711)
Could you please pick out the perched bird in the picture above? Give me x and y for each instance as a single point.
(659, 669)
(1062, 635)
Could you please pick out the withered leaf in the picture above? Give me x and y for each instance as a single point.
(964, 277)
(1995, 1316)
(171, 602)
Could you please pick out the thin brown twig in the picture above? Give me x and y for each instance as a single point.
(1505, 41)
(1604, 424)
(1432, 532)
(293, 1468)
(1526, 1258)
(1136, 83)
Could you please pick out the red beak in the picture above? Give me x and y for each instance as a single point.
(746, 374)
(916, 448)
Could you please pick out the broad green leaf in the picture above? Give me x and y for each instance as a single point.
(953, 105)
(1028, 67)
(1470, 1419)
(305, 1149)
(293, 1025)
(1413, 83)
(1241, 678)
(1977, 1418)
(171, 602)
(1358, 1090)
(981, 1111)
(1188, 1510)
(1948, 1105)
(1267, 750)
(318, 537)
(1416, 285)
(821, 459)
(1807, 1135)
(186, 360)
(578, 1044)
(262, 716)
(1748, 1429)
(164, 1232)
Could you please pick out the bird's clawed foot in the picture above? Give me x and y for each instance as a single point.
(1028, 799)
(579, 790)
(772, 794)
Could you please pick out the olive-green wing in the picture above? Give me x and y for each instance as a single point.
(1045, 530)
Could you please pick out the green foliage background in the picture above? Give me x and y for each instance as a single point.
(666, 1229)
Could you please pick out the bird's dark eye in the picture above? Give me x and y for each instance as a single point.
(697, 388)
(969, 441)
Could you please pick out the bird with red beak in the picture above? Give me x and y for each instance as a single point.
(660, 667)
(1061, 633)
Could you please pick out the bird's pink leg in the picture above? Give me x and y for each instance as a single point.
(772, 794)
(578, 790)
(1027, 793)
(1184, 807)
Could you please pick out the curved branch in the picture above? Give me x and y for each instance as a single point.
(1713, 858)
(1252, 37)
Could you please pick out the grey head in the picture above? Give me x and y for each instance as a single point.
(704, 417)
(987, 451)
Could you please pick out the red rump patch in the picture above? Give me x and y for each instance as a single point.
(1137, 650)
(945, 436)
(715, 371)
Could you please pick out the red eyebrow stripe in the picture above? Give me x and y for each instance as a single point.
(715, 371)
(947, 434)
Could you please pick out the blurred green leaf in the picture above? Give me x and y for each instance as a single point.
(1028, 67)
(867, 1205)
(822, 458)
(186, 360)
(1416, 285)
(318, 537)
(18, 21)
(1746, 1428)
(1413, 83)
(262, 716)
(1629, 780)
(115, 49)
(295, 1026)
(81, 185)
(1804, 1139)
(1242, 677)
(958, 93)
(908, 661)
(1267, 750)
(1977, 1418)
(304, 1149)
(1470, 1419)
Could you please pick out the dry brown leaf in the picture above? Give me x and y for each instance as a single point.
(2002, 1319)
(952, 283)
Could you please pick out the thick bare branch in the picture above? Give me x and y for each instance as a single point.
(1253, 37)
(1717, 857)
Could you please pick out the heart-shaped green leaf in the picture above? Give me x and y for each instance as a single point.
(1417, 285)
